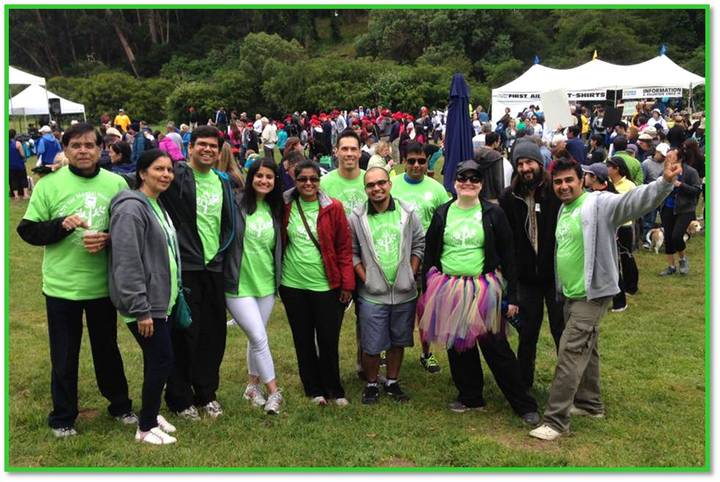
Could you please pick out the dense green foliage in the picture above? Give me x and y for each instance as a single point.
(156, 63)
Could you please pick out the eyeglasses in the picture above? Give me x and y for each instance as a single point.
(380, 183)
(304, 179)
(416, 160)
(473, 178)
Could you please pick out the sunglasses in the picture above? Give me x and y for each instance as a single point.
(380, 183)
(304, 179)
(416, 160)
(473, 178)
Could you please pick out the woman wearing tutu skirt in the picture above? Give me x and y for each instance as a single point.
(467, 271)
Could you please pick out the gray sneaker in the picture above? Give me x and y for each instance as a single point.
(189, 413)
(213, 409)
(683, 266)
(64, 432)
(127, 418)
(274, 400)
(670, 270)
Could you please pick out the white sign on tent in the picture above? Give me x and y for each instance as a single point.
(556, 109)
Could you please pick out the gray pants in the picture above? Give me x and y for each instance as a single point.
(577, 375)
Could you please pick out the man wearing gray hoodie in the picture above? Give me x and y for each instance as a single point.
(586, 263)
(388, 245)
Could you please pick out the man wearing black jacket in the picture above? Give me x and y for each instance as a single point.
(532, 208)
(200, 203)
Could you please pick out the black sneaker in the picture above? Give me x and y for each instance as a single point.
(371, 394)
(395, 392)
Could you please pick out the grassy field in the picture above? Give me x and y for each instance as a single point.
(653, 376)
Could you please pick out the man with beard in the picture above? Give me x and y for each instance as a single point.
(531, 209)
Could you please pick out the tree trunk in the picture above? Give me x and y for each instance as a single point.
(123, 41)
(152, 26)
(52, 60)
(42, 69)
(167, 27)
(68, 32)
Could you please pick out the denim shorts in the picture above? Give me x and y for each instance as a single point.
(385, 326)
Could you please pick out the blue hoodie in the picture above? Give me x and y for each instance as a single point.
(47, 148)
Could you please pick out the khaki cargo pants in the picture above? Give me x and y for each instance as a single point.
(577, 375)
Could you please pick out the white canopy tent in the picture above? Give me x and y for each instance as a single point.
(33, 101)
(656, 77)
(18, 77)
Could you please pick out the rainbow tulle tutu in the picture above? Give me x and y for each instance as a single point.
(454, 311)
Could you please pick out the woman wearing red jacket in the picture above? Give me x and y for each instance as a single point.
(317, 281)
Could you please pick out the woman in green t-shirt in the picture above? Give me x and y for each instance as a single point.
(252, 274)
(317, 281)
(144, 280)
(468, 270)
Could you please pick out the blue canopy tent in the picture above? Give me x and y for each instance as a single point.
(458, 131)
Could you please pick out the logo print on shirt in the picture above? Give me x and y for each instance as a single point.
(385, 242)
(92, 207)
(352, 199)
(428, 196)
(465, 234)
(261, 229)
(208, 200)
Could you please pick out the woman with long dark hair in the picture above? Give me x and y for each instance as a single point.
(252, 276)
(144, 281)
(678, 210)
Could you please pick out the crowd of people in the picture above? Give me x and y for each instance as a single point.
(170, 229)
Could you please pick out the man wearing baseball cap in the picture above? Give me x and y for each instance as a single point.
(122, 120)
(531, 208)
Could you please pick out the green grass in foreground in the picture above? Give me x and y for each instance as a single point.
(653, 386)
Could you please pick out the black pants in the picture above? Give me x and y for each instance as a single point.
(467, 374)
(157, 365)
(675, 226)
(199, 349)
(530, 302)
(630, 274)
(315, 315)
(65, 332)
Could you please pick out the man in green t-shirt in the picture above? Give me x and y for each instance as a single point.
(346, 185)
(426, 195)
(200, 203)
(68, 215)
(388, 245)
(587, 276)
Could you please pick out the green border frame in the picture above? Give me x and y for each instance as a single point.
(450, 470)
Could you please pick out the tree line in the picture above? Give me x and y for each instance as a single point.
(157, 62)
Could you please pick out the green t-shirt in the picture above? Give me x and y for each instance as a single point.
(69, 271)
(351, 193)
(426, 196)
(303, 267)
(463, 242)
(385, 232)
(571, 249)
(171, 240)
(257, 269)
(209, 200)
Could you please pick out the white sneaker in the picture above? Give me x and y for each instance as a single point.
(254, 394)
(164, 425)
(213, 409)
(231, 322)
(545, 432)
(319, 401)
(581, 412)
(64, 432)
(154, 436)
(127, 418)
(342, 402)
(274, 400)
(189, 413)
